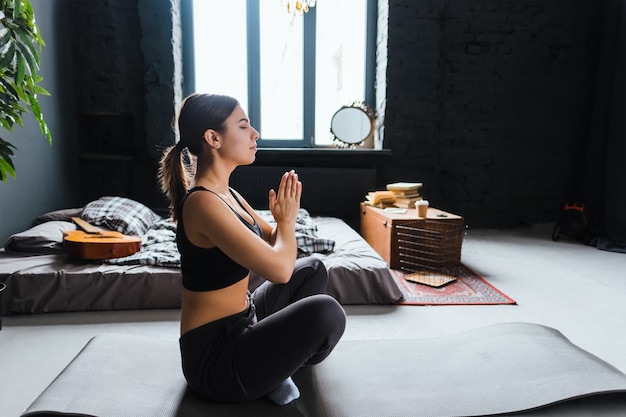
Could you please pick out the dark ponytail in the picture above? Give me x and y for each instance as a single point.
(174, 177)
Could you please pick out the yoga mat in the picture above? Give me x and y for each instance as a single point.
(502, 368)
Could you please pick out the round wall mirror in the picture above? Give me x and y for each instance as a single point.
(351, 125)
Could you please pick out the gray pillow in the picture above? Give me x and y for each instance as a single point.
(64, 215)
(45, 238)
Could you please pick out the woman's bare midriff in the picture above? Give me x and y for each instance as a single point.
(202, 307)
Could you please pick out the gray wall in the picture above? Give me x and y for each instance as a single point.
(47, 176)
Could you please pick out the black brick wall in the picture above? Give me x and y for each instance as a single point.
(127, 54)
(489, 103)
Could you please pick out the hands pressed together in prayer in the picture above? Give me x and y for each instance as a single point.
(285, 203)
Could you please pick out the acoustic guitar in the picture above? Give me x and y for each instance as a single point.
(93, 243)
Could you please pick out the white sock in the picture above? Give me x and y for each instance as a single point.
(285, 393)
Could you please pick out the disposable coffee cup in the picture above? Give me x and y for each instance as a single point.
(422, 208)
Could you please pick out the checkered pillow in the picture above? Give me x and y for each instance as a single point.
(120, 214)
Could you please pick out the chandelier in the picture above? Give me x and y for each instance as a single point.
(298, 7)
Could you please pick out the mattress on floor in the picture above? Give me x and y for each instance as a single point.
(53, 283)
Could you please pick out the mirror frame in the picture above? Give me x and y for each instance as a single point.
(369, 112)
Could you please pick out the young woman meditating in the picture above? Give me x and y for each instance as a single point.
(237, 346)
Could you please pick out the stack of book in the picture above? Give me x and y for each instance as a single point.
(405, 193)
(380, 199)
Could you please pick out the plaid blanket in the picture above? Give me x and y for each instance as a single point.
(158, 247)
(306, 234)
(158, 244)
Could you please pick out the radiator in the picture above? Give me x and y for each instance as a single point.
(334, 192)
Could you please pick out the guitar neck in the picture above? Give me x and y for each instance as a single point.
(86, 226)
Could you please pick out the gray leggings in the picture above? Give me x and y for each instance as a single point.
(287, 326)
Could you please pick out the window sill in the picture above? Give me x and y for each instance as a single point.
(330, 157)
(324, 151)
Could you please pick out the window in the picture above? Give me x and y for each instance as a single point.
(290, 73)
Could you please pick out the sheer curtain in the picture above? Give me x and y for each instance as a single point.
(605, 176)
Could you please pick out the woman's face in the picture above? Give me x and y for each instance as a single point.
(240, 137)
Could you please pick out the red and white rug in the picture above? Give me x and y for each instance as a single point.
(468, 288)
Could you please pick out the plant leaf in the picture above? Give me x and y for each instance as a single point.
(18, 9)
(36, 109)
(6, 123)
(8, 88)
(28, 43)
(6, 168)
(21, 70)
(6, 36)
(7, 55)
(28, 57)
(6, 148)
(40, 90)
(6, 163)
(31, 29)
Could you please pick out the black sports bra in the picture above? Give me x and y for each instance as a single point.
(209, 269)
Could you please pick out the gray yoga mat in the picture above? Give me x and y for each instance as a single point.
(499, 369)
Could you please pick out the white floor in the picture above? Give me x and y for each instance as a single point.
(577, 289)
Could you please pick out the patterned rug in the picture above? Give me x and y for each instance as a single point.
(468, 288)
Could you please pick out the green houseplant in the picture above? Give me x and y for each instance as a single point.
(20, 45)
